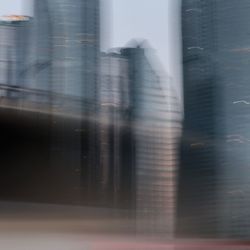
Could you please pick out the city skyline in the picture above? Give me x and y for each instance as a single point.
(120, 148)
(162, 30)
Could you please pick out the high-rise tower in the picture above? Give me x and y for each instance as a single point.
(214, 176)
(155, 120)
(66, 40)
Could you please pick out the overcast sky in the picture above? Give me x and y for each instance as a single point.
(154, 20)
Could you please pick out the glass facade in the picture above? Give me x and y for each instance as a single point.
(66, 36)
(214, 176)
(140, 124)
(155, 119)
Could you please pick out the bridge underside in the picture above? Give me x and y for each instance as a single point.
(44, 158)
(56, 156)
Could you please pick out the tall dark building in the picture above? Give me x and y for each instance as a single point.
(140, 122)
(214, 194)
(155, 121)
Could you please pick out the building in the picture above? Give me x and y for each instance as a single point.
(214, 173)
(63, 69)
(65, 47)
(14, 38)
(155, 121)
(140, 123)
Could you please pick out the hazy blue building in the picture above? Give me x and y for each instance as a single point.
(66, 47)
(214, 194)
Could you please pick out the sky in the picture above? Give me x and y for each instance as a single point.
(157, 21)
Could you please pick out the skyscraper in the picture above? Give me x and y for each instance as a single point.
(155, 120)
(214, 176)
(140, 122)
(64, 65)
(14, 45)
(66, 46)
